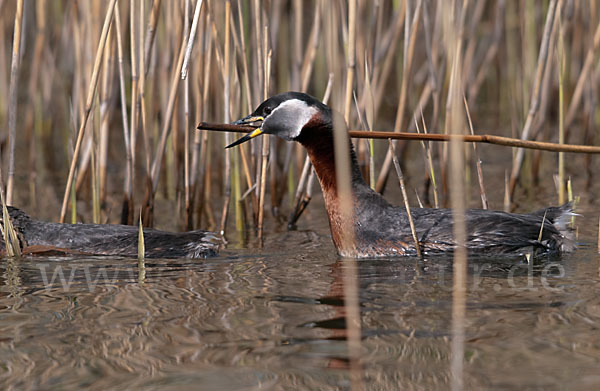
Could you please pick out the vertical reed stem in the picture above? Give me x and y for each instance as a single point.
(561, 111)
(12, 110)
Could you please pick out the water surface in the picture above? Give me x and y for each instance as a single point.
(275, 320)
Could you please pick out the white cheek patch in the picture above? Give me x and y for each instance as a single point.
(290, 117)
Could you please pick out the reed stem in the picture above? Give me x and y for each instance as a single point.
(88, 106)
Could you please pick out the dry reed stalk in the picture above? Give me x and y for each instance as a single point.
(205, 164)
(242, 54)
(95, 183)
(88, 106)
(491, 52)
(105, 115)
(297, 45)
(599, 241)
(300, 202)
(311, 50)
(536, 93)
(198, 159)
(127, 207)
(469, 53)
(381, 73)
(134, 27)
(166, 127)
(15, 66)
(344, 191)
(547, 82)
(190, 36)
(11, 240)
(265, 140)
(141, 103)
(474, 138)
(583, 79)
(350, 59)
(507, 201)
(235, 179)
(561, 110)
(151, 32)
(3, 72)
(33, 115)
(453, 28)
(259, 54)
(413, 231)
(240, 46)
(407, 66)
(186, 112)
(307, 66)
(427, 149)
(482, 193)
(142, 90)
(370, 117)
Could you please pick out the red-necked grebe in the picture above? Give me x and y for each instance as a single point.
(41, 237)
(381, 229)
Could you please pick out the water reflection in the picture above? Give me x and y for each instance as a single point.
(277, 321)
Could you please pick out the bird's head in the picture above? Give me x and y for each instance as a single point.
(286, 115)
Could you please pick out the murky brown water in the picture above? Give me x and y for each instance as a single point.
(274, 320)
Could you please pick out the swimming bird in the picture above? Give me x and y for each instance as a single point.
(382, 229)
(41, 237)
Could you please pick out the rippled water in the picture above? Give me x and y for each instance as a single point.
(274, 319)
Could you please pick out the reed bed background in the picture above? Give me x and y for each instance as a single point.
(100, 125)
(100, 101)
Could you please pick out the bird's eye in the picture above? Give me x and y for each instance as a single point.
(267, 111)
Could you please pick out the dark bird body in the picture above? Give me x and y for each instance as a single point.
(37, 236)
(382, 229)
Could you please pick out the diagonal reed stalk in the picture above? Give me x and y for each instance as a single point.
(536, 93)
(482, 193)
(410, 41)
(413, 231)
(88, 105)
